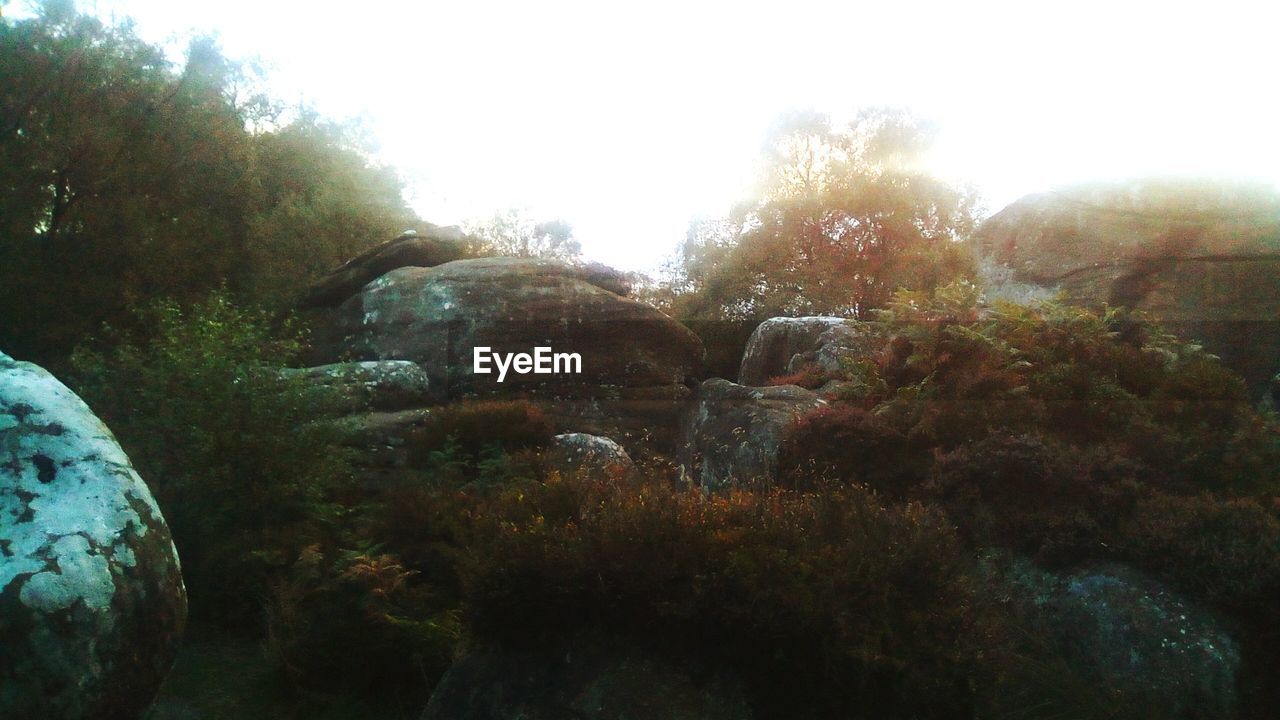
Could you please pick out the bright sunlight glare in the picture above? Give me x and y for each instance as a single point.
(628, 120)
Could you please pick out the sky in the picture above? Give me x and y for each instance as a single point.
(630, 119)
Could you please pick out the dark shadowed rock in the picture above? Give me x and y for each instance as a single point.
(572, 453)
(582, 682)
(436, 246)
(786, 345)
(732, 432)
(1126, 637)
(437, 316)
(91, 597)
(1202, 259)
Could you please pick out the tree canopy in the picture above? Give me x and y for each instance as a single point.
(124, 178)
(841, 217)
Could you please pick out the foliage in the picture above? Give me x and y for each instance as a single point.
(512, 233)
(827, 604)
(476, 436)
(355, 624)
(127, 180)
(244, 474)
(841, 219)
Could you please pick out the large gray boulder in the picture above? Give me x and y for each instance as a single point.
(1202, 259)
(91, 597)
(1135, 646)
(787, 345)
(436, 317)
(582, 681)
(375, 385)
(732, 433)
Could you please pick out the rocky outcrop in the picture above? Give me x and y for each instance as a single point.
(582, 681)
(437, 316)
(91, 597)
(731, 435)
(573, 453)
(436, 246)
(379, 385)
(1201, 259)
(786, 345)
(374, 406)
(1134, 643)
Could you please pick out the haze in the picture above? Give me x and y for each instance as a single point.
(628, 121)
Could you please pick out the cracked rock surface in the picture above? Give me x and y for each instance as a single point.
(91, 597)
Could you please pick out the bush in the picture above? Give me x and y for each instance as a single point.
(847, 443)
(243, 474)
(357, 623)
(468, 433)
(825, 603)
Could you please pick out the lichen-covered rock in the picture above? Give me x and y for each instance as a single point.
(1133, 642)
(378, 385)
(732, 433)
(786, 345)
(91, 596)
(436, 246)
(582, 681)
(437, 316)
(572, 453)
(1201, 259)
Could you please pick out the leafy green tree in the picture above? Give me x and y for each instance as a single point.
(513, 233)
(841, 218)
(232, 449)
(124, 180)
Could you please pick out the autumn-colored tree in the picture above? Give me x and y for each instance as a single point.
(840, 219)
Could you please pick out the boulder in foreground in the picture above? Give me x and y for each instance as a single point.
(91, 597)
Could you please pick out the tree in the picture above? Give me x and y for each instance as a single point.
(840, 219)
(124, 179)
(513, 233)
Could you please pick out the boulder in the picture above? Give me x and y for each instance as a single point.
(732, 433)
(436, 246)
(1136, 645)
(572, 453)
(582, 682)
(786, 345)
(379, 385)
(1201, 259)
(91, 597)
(437, 316)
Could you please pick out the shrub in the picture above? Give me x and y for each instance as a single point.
(810, 377)
(827, 603)
(357, 623)
(847, 443)
(243, 474)
(468, 433)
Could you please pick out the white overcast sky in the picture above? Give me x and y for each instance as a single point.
(628, 119)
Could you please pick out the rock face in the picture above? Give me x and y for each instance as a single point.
(785, 345)
(1203, 259)
(376, 404)
(591, 454)
(436, 246)
(91, 596)
(1127, 637)
(581, 683)
(382, 385)
(732, 433)
(437, 316)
